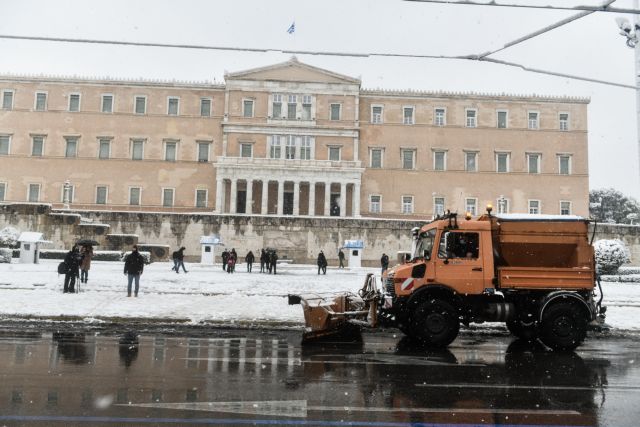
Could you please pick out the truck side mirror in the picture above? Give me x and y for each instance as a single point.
(426, 255)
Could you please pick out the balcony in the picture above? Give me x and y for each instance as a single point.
(253, 162)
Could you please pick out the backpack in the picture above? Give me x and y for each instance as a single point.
(62, 268)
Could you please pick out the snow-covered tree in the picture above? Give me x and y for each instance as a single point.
(610, 255)
(610, 205)
(5, 255)
(9, 237)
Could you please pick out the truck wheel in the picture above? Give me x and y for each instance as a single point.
(563, 326)
(435, 323)
(525, 331)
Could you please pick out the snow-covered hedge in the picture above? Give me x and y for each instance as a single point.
(116, 256)
(5, 255)
(146, 255)
(627, 278)
(624, 271)
(9, 237)
(610, 255)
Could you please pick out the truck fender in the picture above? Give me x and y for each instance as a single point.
(433, 291)
(554, 296)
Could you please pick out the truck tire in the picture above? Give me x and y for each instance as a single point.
(563, 326)
(525, 331)
(435, 323)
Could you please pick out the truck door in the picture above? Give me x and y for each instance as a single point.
(459, 263)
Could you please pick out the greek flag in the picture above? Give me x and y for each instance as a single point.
(292, 28)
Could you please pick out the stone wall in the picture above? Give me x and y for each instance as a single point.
(629, 234)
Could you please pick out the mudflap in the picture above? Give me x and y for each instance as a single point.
(345, 333)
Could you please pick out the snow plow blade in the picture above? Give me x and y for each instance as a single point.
(338, 318)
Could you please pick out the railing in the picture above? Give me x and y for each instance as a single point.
(342, 164)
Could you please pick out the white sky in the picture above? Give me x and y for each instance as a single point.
(589, 47)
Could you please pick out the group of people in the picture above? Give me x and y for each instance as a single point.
(77, 263)
(268, 261)
(229, 260)
(178, 260)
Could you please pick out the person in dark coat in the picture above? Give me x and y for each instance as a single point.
(225, 259)
(322, 263)
(384, 262)
(133, 268)
(249, 260)
(179, 260)
(72, 264)
(231, 264)
(234, 254)
(341, 258)
(263, 261)
(273, 262)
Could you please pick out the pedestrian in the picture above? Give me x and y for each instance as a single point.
(225, 259)
(85, 262)
(322, 263)
(133, 268)
(341, 258)
(384, 263)
(273, 262)
(249, 260)
(234, 254)
(178, 260)
(263, 260)
(72, 263)
(231, 265)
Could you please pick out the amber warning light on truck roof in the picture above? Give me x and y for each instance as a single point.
(489, 208)
(467, 216)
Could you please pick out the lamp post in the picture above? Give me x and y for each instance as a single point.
(66, 194)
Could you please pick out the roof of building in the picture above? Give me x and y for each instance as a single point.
(30, 237)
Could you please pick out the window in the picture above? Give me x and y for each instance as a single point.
(137, 149)
(292, 105)
(334, 154)
(203, 152)
(7, 99)
(305, 148)
(375, 158)
(170, 151)
(533, 163)
(503, 205)
(534, 206)
(408, 159)
(107, 103)
(564, 164)
(37, 145)
(565, 207)
(134, 196)
(306, 107)
(72, 146)
(140, 105)
(3, 191)
(335, 112)
(407, 204)
(502, 119)
(375, 203)
(101, 195)
(34, 193)
(439, 160)
(290, 149)
(277, 106)
(5, 142)
(376, 114)
(407, 115)
(471, 161)
(104, 150)
(246, 150)
(201, 198)
(173, 104)
(438, 206)
(564, 121)
(74, 102)
(205, 107)
(471, 115)
(502, 162)
(275, 151)
(167, 197)
(41, 101)
(459, 245)
(533, 120)
(247, 108)
(471, 205)
(440, 117)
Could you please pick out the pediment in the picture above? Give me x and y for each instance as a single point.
(292, 71)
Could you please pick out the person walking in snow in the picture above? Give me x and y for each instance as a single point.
(249, 260)
(384, 262)
(72, 263)
(341, 258)
(263, 261)
(273, 262)
(231, 265)
(322, 263)
(225, 259)
(86, 253)
(178, 260)
(133, 268)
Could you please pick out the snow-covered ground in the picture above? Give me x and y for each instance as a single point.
(208, 294)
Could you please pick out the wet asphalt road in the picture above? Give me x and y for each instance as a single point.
(234, 377)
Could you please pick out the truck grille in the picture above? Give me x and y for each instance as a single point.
(389, 286)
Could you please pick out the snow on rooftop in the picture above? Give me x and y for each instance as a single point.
(30, 237)
(538, 217)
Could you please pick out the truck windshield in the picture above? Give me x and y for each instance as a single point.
(423, 244)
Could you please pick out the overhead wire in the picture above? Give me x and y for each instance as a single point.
(601, 8)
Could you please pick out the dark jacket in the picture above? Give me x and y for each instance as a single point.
(179, 254)
(72, 261)
(322, 260)
(134, 263)
(250, 258)
(384, 261)
(340, 255)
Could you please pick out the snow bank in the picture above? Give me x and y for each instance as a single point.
(610, 255)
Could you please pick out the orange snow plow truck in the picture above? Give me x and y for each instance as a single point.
(536, 273)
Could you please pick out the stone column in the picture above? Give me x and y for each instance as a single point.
(219, 198)
(265, 197)
(327, 198)
(312, 198)
(249, 201)
(355, 197)
(280, 196)
(343, 199)
(296, 198)
(234, 194)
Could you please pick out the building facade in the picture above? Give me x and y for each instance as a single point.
(288, 139)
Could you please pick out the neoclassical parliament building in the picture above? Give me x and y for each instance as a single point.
(288, 139)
